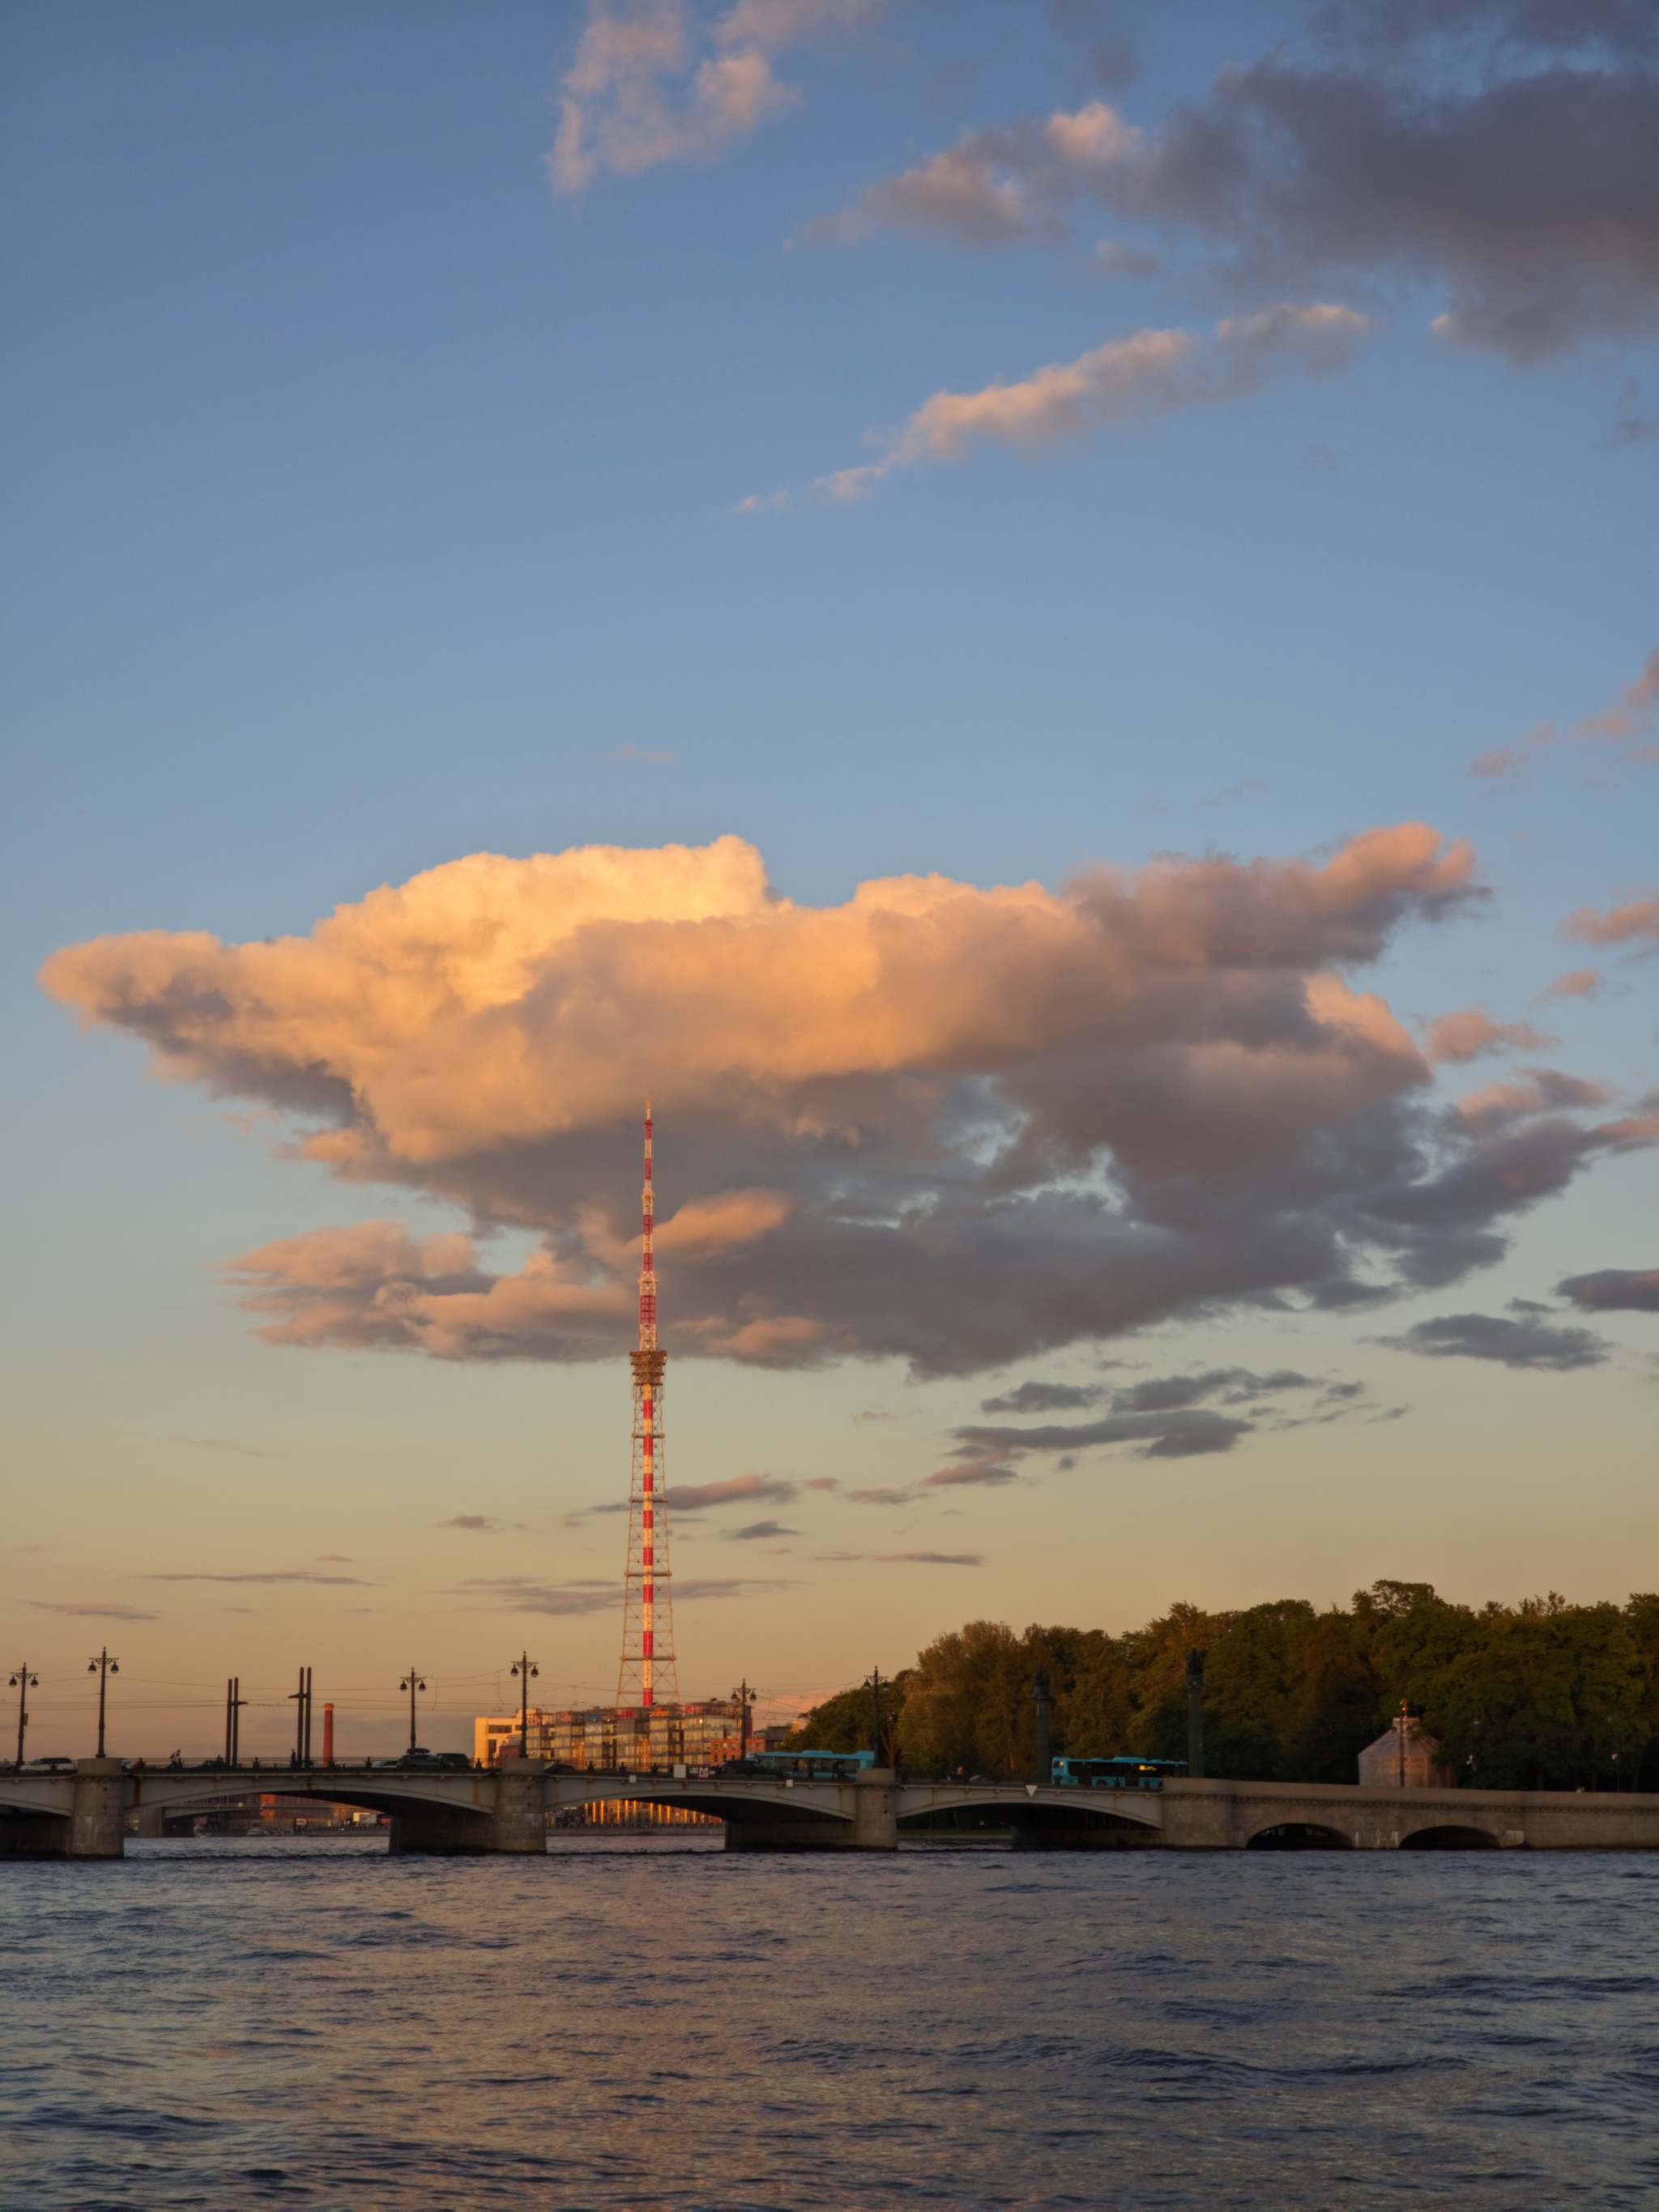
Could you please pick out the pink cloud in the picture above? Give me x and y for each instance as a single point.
(944, 1123)
(1471, 1031)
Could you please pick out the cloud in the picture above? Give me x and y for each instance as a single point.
(775, 502)
(1044, 1398)
(1524, 1343)
(88, 1610)
(929, 1558)
(962, 1127)
(1164, 1416)
(1614, 1289)
(1136, 378)
(1577, 983)
(1007, 186)
(1470, 1031)
(523, 1593)
(656, 82)
(756, 1530)
(882, 1496)
(1621, 725)
(1622, 925)
(288, 1575)
(478, 1523)
(741, 1489)
(1521, 183)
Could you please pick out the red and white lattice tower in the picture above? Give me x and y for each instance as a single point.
(649, 1675)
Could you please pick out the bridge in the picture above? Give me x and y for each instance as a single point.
(80, 1813)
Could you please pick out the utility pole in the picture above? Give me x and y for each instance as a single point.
(1195, 1715)
(103, 1667)
(23, 1681)
(527, 1671)
(872, 1683)
(411, 1682)
(746, 1697)
(234, 1702)
(301, 1700)
(1042, 1757)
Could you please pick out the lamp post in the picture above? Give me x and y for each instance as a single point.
(1195, 1715)
(1402, 1743)
(527, 1671)
(745, 1696)
(1041, 1752)
(234, 1702)
(103, 1667)
(411, 1682)
(872, 1683)
(23, 1681)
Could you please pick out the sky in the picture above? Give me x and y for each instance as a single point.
(1039, 620)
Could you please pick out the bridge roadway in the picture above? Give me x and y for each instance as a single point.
(80, 1813)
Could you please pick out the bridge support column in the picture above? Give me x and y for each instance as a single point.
(150, 1820)
(97, 1827)
(520, 1823)
(875, 1820)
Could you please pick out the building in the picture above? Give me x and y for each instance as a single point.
(611, 1739)
(1387, 1765)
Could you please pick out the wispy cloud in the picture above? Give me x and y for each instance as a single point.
(286, 1575)
(736, 1489)
(478, 1524)
(1471, 1031)
(1621, 925)
(753, 1530)
(1626, 729)
(929, 1558)
(91, 1609)
(1136, 378)
(775, 503)
(658, 81)
(1577, 983)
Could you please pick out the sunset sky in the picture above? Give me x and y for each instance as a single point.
(1043, 621)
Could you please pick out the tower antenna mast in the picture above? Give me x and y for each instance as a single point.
(648, 1669)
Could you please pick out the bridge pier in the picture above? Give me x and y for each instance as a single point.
(520, 1823)
(97, 1830)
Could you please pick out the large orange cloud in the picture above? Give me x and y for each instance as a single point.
(950, 1122)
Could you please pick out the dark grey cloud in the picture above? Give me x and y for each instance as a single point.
(1045, 1398)
(288, 1575)
(1164, 1417)
(1614, 1289)
(91, 1609)
(523, 1594)
(755, 1529)
(1524, 1343)
(929, 1558)
(478, 1524)
(738, 1490)
(1515, 171)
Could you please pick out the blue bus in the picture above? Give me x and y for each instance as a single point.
(1121, 1773)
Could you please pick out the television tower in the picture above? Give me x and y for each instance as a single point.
(648, 1667)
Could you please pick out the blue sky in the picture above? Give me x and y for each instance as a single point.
(374, 502)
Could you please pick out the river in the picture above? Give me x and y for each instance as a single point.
(650, 2022)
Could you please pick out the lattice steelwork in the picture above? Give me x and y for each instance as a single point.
(649, 1673)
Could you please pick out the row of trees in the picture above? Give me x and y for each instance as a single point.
(1540, 1695)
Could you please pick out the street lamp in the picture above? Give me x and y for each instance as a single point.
(744, 1697)
(103, 1667)
(411, 1682)
(527, 1672)
(23, 1681)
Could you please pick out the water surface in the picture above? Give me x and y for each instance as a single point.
(650, 2023)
